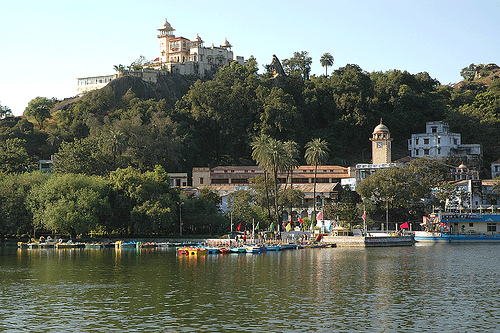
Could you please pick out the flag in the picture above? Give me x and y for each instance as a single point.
(404, 226)
(271, 227)
(319, 216)
(257, 226)
(288, 227)
(300, 220)
(364, 216)
(239, 227)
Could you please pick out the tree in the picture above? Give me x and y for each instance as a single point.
(39, 109)
(5, 111)
(317, 153)
(468, 72)
(15, 217)
(70, 204)
(87, 156)
(300, 63)
(326, 60)
(273, 156)
(150, 199)
(13, 156)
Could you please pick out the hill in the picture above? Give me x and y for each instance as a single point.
(169, 87)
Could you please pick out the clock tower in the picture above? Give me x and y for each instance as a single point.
(381, 144)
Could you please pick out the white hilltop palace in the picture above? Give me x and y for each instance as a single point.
(178, 55)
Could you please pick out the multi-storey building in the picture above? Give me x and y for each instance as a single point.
(439, 142)
(190, 57)
(178, 55)
(227, 179)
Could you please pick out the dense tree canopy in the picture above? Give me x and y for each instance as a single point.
(127, 129)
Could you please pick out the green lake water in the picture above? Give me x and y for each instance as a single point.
(431, 288)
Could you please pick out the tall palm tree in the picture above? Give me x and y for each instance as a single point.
(326, 60)
(317, 153)
(273, 156)
(116, 143)
(259, 154)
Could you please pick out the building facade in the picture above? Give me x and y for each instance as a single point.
(228, 179)
(178, 55)
(439, 142)
(181, 55)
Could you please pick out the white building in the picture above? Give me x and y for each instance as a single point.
(437, 141)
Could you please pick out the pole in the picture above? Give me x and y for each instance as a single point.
(180, 216)
(387, 215)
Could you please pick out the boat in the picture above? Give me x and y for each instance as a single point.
(147, 245)
(459, 228)
(94, 245)
(192, 251)
(125, 244)
(253, 248)
(276, 247)
(224, 250)
(212, 250)
(234, 249)
(69, 245)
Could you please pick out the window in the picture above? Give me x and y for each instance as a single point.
(416, 141)
(379, 144)
(439, 151)
(471, 224)
(455, 141)
(416, 152)
(426, 141)
(491, 227)
(439, 141)
(434, 129)
(201, 180)
(426, 151)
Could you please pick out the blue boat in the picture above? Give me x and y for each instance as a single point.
(237, 250)
(253, 249)
(273, 247)
(460, 228)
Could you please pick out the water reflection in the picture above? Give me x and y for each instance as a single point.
(421, 288)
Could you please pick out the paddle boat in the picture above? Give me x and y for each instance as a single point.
(253, 249)
(238, 250)
(126, 244)
(276, 247)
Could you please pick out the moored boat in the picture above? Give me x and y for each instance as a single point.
(276, 247)
(253, 248)
(459, 228)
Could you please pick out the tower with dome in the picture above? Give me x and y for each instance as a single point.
(381, 144)
(381, 153)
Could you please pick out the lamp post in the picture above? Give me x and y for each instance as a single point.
(180, 216)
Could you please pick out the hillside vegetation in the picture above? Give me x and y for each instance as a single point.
(181, 122)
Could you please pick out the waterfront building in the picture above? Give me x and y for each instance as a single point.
(330, 180)
(439, 142)
(495, 169)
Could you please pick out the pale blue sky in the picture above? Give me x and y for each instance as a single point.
(46, 45)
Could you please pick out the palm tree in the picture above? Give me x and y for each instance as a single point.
(116, 143)
(317, 152)
(326, 60)
(273, 156)
(259, 148)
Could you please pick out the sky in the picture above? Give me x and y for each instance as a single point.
(46, 45)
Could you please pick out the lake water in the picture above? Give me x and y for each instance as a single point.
(431, 288)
